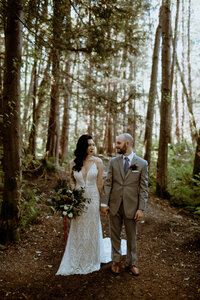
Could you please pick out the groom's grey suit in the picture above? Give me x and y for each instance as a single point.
(125, 194)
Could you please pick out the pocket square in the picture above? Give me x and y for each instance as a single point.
(134, 171)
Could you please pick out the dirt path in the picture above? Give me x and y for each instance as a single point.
(168, 258)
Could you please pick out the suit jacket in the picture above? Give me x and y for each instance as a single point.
(132, 189)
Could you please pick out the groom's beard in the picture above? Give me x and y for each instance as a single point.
(122, 150)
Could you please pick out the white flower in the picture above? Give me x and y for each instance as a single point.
(70, 215)
(64, 213)
(65, 207)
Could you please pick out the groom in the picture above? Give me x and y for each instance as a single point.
(124, 196)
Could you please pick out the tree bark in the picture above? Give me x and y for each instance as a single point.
(152, 91)
(196, 169)
(188, 52)
(65, 124)
(183, 68)
(131, 129)
(161, 187)
(174, 45)
(53, 140)
(9, 220)
(27, 101)
(109, 129)
(1, 110)
(193, 126)
(177, 131)
(32, 137)
(37, 110)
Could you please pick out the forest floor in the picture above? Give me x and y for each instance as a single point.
(168, 259)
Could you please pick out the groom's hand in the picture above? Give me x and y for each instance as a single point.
(104, 209)
(139, 215)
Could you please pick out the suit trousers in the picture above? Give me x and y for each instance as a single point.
(116, 223)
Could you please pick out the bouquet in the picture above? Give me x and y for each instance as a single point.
(72, 203)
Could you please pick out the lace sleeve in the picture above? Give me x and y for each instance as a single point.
(99, 164)
(72, 180)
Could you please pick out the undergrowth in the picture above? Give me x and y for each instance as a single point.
(184, 190)
(29, 205)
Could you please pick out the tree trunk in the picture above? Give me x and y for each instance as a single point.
(38, 52)
(177, 131)
(131, 104)
(109, 129)
(65, 125)
(27, 101)
(77, 101)
(32, 137)
(183, 68)
(105, 132)
(9, 220)
(37, 110)
(188, 52)
(196, 169)
(90, 100)
(53, 141)
(152, 91)
(174, 45)
(1, 109)
(161, 187)
(193, 126)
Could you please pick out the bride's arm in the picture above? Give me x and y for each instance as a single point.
(72, 179)
(99, 164)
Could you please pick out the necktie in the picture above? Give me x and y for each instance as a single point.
(126, 165)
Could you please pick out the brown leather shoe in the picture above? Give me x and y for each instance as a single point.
(115, 269)
(134, 270)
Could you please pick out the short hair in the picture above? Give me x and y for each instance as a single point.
(128, 137)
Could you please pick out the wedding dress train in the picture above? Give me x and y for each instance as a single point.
(86, 249)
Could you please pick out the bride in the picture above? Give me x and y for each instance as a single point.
(85, 250)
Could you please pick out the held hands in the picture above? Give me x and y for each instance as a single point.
(139, 215)
(104, 210)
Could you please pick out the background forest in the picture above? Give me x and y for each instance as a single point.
(103, 67)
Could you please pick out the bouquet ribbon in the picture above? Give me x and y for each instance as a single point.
(65, 227)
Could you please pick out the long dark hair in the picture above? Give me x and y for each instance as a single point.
(81, 151)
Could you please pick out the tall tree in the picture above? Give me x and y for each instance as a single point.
(161, 184)
(53, 140)
(9, 219)
(177, 131)
(192, 121)
(153, 90)
(65, 124)
(37, 53)
(174, 43)
(37, 109)
(183, 67)
(188, 50)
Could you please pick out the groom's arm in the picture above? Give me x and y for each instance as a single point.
(143, 191)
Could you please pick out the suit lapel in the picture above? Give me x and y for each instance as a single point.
(121, 166)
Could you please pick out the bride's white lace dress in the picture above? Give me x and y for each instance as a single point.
(86, 249)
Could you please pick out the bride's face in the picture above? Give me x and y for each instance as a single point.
(90, 148)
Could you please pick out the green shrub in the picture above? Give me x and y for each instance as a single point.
(183, 189)
(28, 206)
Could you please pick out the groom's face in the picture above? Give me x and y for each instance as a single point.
(121, 146)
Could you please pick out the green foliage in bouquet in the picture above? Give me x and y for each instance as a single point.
(72, 203)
